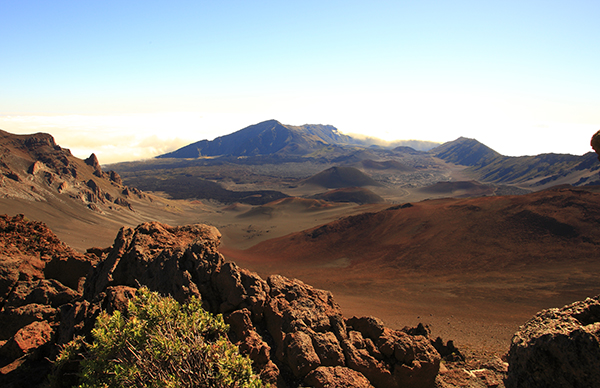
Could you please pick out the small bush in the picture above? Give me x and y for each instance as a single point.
(157, 342)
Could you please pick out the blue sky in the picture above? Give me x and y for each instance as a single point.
(130, 80)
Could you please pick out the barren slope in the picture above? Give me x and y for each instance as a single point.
(474, 269)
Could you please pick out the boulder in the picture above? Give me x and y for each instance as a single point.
(559, 347)
(339, 376)
(27, 339)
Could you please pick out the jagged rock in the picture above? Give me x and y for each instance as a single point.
(339, 376)
(62, 187)
(558, 348)
(92, 161)
(27, 339)
(31, 293)
(13, 319)
(243, 334)
(291, 331)
(95, 188)
(300, 353)
(123, 202)
(369, 327)
(43, 292)
(13, 175)
(70, 270)
(115, 177)
(328, 349)
(448, 351)
(172, 260)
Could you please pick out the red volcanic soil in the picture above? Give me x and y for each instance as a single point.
(473, 269)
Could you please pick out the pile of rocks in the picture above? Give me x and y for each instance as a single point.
(294, 334)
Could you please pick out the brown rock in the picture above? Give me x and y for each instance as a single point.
(558, 347)
(243, 334)
(369, 327)
(70, 269)
(416, 362)
(300, 354)
(27, 339)
(376, 371)
(43, 292)
(339, 376)
(116, 178)
(287, 328)
(92, 161)
(13, 319)
(117, 298)
(172, 260)
(328, 349)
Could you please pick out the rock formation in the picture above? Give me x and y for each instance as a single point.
(294, 334)
(38, 274)
(558, 348)
(35, 168)
(289, 329)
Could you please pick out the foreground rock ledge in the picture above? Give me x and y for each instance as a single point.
(558, 348)
(295, 334)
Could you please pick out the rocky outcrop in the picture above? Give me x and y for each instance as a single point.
(558, 348)
(95, 164)
(35, 168)
(38, 274)
(294, 334)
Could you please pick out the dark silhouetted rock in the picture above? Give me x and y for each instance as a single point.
(595, 143)
(559, 347)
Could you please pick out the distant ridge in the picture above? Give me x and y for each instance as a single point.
(266, 138)
(465, 151)
(538, 171)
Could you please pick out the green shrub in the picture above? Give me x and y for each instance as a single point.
(157, 342)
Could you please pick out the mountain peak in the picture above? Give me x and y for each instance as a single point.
(264, 138)
(465, 151)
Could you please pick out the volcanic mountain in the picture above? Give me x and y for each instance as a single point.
(539, 171)
(268, 137)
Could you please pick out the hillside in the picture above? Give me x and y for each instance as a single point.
(358, 195)
(35, 168)
(536, 172)
(338, 177)
(474, 267)
(466, 234)
(465, 151)
(266, 138)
